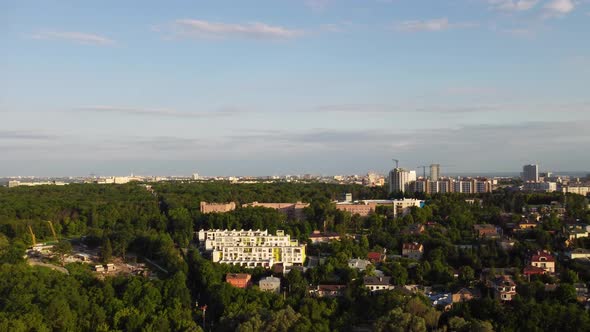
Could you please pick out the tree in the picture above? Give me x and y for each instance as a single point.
(106, 253)
(398, 321)
(62, 248)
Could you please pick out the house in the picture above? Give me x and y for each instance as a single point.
(414, 229)
(504, 288)
(270, 284)
(578, 253)
(238, 280)
(544, 260)
(465, 294)
(328, 290)
(486, 231)
(110, 267)
(413, 250)
(375, 284)
(441, 300)
(576, 231)
(98, 268)
(359, 264)
(319, 237)
(581, 291)
(533, 270)
(376, 257)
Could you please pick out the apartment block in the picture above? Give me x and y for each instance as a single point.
(250, 248)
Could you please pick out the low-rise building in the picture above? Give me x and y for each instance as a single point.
(217, 207)
(270, 284)
(465, 294)
(504, 288)
(362, 209)
(578, 253)
(358, 264)
(292, 210)
(375, 284)
(487, 231)
(576, 231)
(413, 250)
(375, 257)
(543, 260)
(323, 237)
(238, 280)
(328, 291)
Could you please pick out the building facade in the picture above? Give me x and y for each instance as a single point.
(252, 248)
(217, 207)
(292, 210)
(401, 179)
(270, 284)
(530, 173)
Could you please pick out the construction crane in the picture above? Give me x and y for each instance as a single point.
(32, 235)
(423, 170)
(396, 163)
(52, 230)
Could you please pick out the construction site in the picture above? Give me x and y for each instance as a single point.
(44, 254)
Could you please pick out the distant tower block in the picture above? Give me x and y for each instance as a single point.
(195, 176)
(434, 172)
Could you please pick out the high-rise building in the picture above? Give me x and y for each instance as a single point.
(530, 173)
(434, 172)
(401, 179)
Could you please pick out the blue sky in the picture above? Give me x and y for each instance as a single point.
(292, 86)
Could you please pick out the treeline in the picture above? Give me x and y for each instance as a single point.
(39, 299)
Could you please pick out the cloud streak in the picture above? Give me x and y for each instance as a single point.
(201, 29)
(439, 24)
(162, 112)
(74, 36)
(513, 5)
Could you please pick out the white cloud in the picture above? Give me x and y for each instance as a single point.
(513, 5)
(559, 7)
(317, 5)
(190, 28)
(438, 24)
(73, 36)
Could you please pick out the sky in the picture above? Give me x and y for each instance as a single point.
(274, 87)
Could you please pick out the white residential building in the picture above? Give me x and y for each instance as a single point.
(252, 248)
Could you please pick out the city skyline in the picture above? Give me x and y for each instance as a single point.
(292, 87)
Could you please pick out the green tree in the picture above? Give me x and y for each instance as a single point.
(62, 249)
(106, 252)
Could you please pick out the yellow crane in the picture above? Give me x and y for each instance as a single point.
(32, 235)
(52, 230)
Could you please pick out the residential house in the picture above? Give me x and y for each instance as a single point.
(376, 257)
(578, 253)
(375, 284)
(358, 264)
(504, 288)
(465, 294)
(414, 229)
(413, 250)
(487, 231)
(581, 291)
(319, 237)
(328, 290)
(544, 260)
(576, 231)
(270, 284)
(238, 280)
